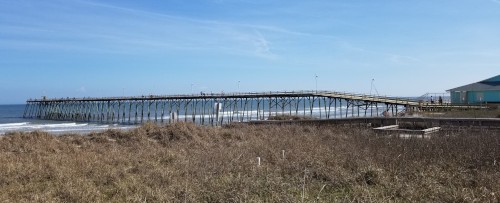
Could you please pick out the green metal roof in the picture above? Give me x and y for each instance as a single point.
(490, 84)
(492, 81)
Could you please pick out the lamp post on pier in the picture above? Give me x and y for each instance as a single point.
(316, 79)
(371, 86)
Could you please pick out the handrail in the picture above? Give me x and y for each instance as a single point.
(235, 94)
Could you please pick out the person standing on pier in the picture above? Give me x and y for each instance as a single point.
(386, 113)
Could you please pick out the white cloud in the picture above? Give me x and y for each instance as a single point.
(103, 28)
(262, 46)
(400, 59)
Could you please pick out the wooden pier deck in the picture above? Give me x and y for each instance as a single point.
(369, 98)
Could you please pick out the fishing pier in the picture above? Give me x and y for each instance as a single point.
(218, 109)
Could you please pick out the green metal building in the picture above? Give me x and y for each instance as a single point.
(486, 91)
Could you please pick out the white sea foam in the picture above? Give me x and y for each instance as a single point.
(60, 125)
(13, 124)
(57, 127)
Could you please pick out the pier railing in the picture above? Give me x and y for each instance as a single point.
(356, 96)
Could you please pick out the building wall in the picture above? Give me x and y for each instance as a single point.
(492, 96)
(456, 98)
(475, 97)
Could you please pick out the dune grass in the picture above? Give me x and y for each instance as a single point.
(188, 163)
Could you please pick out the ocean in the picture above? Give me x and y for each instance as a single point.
(11, 120)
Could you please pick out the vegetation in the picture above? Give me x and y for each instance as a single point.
(492, 112)
(284, 117)
(188, 163)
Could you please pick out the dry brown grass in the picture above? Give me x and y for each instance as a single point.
(285, 117)
(492, 112)
(188, 163)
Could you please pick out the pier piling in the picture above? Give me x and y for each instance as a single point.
(217, 109)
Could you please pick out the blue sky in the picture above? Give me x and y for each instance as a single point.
(80, 48)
